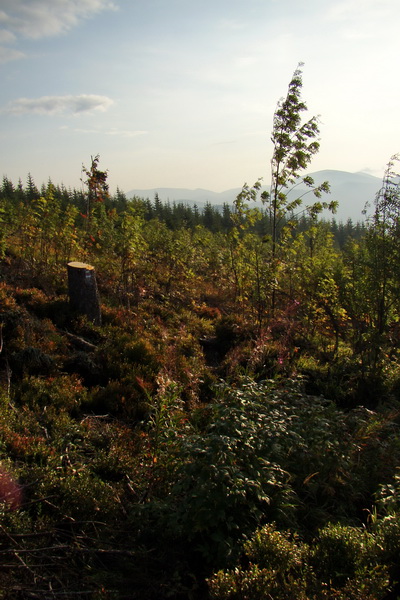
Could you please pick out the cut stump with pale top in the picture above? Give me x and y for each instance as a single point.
(83, 292)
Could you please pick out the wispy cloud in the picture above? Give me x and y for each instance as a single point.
(354, 9)
(126, 133)
(362, 20)
(42, 18)
(8, 54)
(51, 105)
(231, 25)
(6, 37)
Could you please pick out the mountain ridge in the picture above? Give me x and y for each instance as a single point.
(351, 190)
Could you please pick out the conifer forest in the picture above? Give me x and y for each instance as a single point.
(229, 429)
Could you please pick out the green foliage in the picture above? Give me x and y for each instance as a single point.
(276, 550)
(341, 553)
(96, 182)
(338, 564)
(264, 453)
(61, 392)
(295, 144)
(276, 569)
(369, 285)
(254, 584)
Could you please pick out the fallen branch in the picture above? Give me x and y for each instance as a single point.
(79, 342)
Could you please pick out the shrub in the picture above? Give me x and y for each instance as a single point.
(337, 565)
(276, 569)
(253, 584)
(340, 553)
(121, 398)
(272, 549)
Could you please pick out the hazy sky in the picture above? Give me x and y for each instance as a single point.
(181, 93)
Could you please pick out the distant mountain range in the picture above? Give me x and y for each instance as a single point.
(351, 190)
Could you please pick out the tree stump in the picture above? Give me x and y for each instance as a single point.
(83, 292)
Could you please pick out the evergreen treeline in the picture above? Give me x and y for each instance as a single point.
(175, 215)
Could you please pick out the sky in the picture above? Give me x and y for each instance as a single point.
(181, 93)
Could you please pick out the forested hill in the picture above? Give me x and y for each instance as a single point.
(351, 190)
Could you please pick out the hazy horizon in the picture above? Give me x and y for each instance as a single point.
(353, 192)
